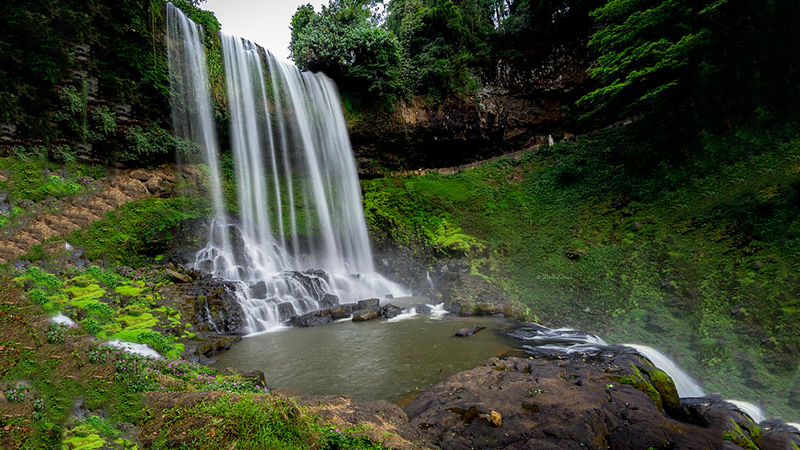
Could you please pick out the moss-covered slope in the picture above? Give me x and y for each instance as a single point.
(697, 257)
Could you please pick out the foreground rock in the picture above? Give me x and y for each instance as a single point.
(575, 402)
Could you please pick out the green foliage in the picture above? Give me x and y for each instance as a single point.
(110, 279)
(153, 143)
(441, 41)
(137, 230)
(424, 47)
(252, 421)
(645, 48)
(39, 277)
(693, 257)
(677, 55)
(343, 41)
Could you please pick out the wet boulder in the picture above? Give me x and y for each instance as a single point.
(217, 344)
(422, 308)
(369, 303)
(313, 319)
(342, 311)
(365, 315)
(258, 290)
(390, 310)
(328, 301)
(286, 311)
(566, 402)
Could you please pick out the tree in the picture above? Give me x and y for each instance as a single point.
(530, 27)
(441, 41)
(344, 41)
(692, 58)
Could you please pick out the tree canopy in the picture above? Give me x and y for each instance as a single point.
(692, 56)
(344, 41)
(422, 47)
(674, 57)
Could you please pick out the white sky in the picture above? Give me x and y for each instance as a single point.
(265, 22)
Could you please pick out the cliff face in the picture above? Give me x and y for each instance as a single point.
(517, 107)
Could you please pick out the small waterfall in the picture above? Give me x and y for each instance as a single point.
(430, 282)
(685, 384)
(300, 235)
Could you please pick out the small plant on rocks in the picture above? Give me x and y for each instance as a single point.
(57, 333)
(17, 393)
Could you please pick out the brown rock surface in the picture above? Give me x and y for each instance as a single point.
(569, 402)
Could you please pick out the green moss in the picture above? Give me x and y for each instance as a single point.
(640, 382)
(80, 296)
(665, 387)
(137, 231)
(82, 441)
(141, 321)
(164, 345)
(738, 437)
(127, 290)
(585, 233)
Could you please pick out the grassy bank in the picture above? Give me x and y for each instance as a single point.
(64, 387)
(697, 257)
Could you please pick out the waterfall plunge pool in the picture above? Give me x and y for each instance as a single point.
(375, 360)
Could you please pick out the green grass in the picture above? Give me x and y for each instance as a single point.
(699, 227)
(251, 421)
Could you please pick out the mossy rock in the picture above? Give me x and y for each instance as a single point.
(641, 382)
(666, 388)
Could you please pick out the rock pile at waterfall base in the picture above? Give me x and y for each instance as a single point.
(577, 402)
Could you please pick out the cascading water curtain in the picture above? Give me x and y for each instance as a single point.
(193, 119)
(300, 233)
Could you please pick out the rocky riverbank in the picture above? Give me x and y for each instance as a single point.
(610, 399)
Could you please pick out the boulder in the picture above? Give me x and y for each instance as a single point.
(369, 303)
(422, 308)
(140, 175)
(468, 331)
(389, 311)
(258, 290)
(365, 315)
(256, 376)
(217, 344)
(342, 311)
(177, 277)
(602, 400)
(313, 319)
(286, 311)
(328, 301)
(210, 301)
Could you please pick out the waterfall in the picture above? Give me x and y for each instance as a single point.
(192, 114)
(300, 237)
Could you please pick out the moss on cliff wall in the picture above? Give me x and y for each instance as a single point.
(697, 257)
